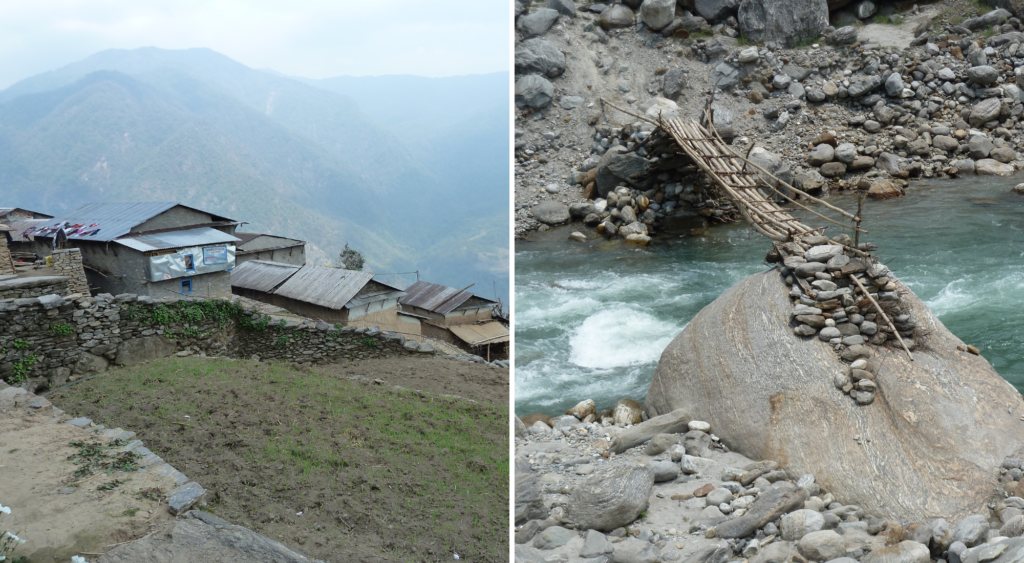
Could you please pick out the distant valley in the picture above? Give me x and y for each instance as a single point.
(411, 171)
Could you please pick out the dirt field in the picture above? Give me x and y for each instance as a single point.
(325, 459)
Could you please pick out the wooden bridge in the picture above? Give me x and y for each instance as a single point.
(738, 179)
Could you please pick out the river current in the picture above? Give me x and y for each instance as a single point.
(593, 319)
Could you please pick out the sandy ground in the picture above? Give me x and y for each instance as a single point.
(34, 466)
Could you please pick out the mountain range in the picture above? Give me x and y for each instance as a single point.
(411, 171)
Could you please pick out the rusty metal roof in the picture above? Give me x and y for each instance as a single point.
(320, 285)
(437, 298)
(107, 221)
(261, 275)
(176, 239)
(490, 332)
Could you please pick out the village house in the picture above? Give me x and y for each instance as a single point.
(258, 246)
(154, 248)
(457, 317)
(332, 295)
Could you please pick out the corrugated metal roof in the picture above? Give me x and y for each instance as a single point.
(104, 221)
(434, 297)
(6, 210)
(328, 287)
(246, 237)
(107, 221)
(18, 228)
(490, 332)
(176, 239)
(261, 275)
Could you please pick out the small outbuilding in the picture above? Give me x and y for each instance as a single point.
(272, 248)
(333, 295)
(458, 317)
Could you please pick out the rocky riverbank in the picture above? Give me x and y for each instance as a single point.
(923, 93)
(595, 487)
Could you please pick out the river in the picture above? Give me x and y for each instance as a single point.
(592, 319)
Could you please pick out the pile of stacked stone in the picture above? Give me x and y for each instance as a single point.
(68, 263)
(829, 305)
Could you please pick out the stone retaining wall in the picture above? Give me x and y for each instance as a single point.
(50, 340)
(33, 287)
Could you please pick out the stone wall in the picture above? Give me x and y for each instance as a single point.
(6, 263)
(33, 287)
(50, 340)
(68, 262)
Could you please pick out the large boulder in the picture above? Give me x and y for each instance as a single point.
(658, 13)
(537, 23)
(985, 111)
(715, 10)
(938, 427)
(784, 21)
(534, 91)
(611, 498)
(618, 166)
(551, 212)
(537, 56)
(144, 349)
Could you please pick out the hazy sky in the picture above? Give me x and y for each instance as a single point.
(310, 38)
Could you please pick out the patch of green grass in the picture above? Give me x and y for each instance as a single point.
(110, 485)
(988, 32)
(446, 454)
(61, 329)
(130, 512)
(804, 43)
(701, 34)
(93, 456)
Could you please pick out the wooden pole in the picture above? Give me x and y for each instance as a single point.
(856, 234)
(881, 312)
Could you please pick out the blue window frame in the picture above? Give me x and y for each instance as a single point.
(190, 265)
(186, 286)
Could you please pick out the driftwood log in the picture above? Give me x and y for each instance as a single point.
(929, 446)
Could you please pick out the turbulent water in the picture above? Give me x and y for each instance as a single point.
(592, 320)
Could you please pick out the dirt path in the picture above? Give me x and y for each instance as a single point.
(57, 513)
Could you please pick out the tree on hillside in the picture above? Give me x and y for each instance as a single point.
(351, 259)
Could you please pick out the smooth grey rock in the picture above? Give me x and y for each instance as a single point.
(595, 544)
(903, 552)
(894, 85)
(799, 523)
(665, 471)
(769, 505)
(983, 74)
(846, 152)
(617, 16)
(551, 212)
(863, 86)
(988, 19)
(657, 14)
(971, 530)
(674, 83)
(823, 545)
(984, 111)
(564, 7)
(821, 154)
(202, 536)
(538, 56)
(823, 253)
(537, 23)
(534, 91)
(182, 498)
(555, 536)
(611, 497)
(697, 372)
(846, 35)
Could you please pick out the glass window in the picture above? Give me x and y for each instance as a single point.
(189, 264)
(186, 286)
